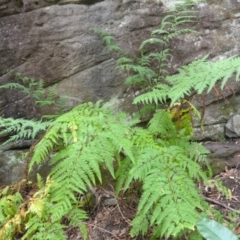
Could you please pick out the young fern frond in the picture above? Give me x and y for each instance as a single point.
(11, 216)
(109, 41)
(34, 89)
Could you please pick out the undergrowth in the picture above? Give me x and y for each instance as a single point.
(161, 156)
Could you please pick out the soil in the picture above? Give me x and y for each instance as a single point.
(110, 219)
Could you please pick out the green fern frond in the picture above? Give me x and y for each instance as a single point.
(43, 230)
(11, 216)
(124, 60)
(197, 76)
(157, 95)
(88, 136)
(21, 128)
(162, 124)
(165, 179)
(108, 40)
(152, 41)
(14, 86)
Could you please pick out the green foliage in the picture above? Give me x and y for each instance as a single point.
(30, 129)
(22, 128)
(161, 156)
(212, 230)
(95, 137)
(151, 67)
(10, 214)
(35, 89)
(90, 137)
(196, 77)
(108, 40)
(27, 85)
(33, 218)
(166, 163)
(167, 166)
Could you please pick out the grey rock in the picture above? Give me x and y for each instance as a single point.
(57, 43)
(233, 126)
(23, 143)
(223, 155)
(110, 202)
(12, 168)
(216, 113)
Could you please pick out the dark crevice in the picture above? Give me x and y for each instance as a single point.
(90, 2)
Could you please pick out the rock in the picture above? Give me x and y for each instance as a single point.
(56, 43)
(233, 126)
(12, 168)
(215, 113)
(23, 143)
(223, 155)
(110, 202)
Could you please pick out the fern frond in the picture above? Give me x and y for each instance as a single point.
(14, 86)
(88, 136)
(165, 179)
(21, 128)
(37, 229)
(197, 76)
(162, 124)
(124, 60)
(152, 41)
(158, 94)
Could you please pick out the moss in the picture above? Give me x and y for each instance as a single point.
(229, 108)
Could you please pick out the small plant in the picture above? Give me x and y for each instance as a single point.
(35, 90)
(19, 129)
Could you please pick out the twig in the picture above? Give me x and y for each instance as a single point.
(119, 209)
(104, 230)
(220, 204)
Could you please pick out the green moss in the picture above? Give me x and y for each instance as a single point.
(229, 108)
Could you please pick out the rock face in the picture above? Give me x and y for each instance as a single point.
(54, 40)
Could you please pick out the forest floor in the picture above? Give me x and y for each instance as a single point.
(110, 219)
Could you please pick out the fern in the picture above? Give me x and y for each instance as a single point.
(151, 68)
(161, 156)
(11, 213)
(198, 76)
(168, 170)
(21, 128)
(91, 136)
(35, 90)
(108, 40)
(27, 85)
(29, 129)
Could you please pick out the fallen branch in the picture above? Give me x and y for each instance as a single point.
(220, 204)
